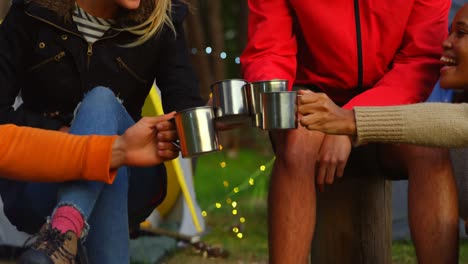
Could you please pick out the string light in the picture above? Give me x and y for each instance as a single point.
(248, 183)
(222, 55)
(251, 181)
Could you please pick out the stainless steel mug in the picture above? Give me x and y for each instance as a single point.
(254, 91)
(230, 101)
(279, 110)
(196, 131)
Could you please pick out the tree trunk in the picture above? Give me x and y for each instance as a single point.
(196, 39)
(243, 18)
(217, 37)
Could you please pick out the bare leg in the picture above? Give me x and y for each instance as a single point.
(292, 199)
(432, 201)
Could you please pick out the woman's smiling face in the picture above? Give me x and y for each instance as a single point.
(454, 75)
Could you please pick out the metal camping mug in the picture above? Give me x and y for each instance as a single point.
(230, 101)
(279, 110)
(254, 91)
(196, 131)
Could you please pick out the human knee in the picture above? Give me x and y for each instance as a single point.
(99, 100)
(295, 159)
(426, 161)
(427, 155)
(100, 95)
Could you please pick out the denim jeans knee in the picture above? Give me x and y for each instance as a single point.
(100, 112)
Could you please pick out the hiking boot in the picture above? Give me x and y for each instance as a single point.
(51, 247)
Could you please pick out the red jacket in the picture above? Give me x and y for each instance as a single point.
(362, 53)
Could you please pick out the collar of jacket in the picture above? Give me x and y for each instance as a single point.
(59, 10)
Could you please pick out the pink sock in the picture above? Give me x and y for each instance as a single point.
(67, 218)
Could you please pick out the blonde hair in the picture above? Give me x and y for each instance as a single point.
(160, 16)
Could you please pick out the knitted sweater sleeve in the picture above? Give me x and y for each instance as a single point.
(429, 124)
(30, 154)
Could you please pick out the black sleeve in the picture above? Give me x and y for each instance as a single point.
(175, 75)
(14, 46)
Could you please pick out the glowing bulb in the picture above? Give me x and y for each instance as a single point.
(262, 168)
(251, 181)
(218, 205)
(204, 213)
(242, 220)
(234, 204)
(223, 55)
(234, 212)
(236, 190)
(237, 60)
(220, 147)
(239, 235)
(208, 50)
(235, 230)
(222, 164)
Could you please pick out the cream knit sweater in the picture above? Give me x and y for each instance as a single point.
(429, 124)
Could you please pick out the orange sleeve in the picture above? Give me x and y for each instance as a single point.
(31, 154)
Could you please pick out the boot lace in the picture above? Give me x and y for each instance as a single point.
(51, 242)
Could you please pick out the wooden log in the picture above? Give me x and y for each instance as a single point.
(354, 215)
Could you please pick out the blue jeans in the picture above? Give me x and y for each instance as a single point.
(105, 207)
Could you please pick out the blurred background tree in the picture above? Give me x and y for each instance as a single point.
(217, 33)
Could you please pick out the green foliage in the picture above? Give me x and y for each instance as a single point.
(217, 175)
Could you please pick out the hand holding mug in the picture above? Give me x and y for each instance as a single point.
(320, 113)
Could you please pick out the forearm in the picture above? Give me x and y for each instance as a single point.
(38, 155)
(429, 124)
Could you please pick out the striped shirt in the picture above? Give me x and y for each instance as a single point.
(92, 28)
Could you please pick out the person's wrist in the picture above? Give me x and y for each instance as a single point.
(118, 153)
(352, 129)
